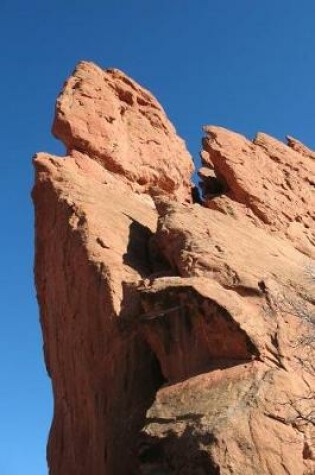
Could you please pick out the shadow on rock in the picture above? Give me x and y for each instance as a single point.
(176, 454)
(137, 254)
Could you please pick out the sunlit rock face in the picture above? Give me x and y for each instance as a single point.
(264, 180)
(179, 330)
(107, 115)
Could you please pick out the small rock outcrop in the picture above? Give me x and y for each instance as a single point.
(179, 333)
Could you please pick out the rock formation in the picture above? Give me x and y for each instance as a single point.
(179, 336)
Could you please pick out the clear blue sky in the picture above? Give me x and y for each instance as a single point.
(243, 64)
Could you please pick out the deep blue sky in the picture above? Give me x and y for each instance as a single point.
(241, 64)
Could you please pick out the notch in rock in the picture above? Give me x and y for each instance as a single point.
(211, 186)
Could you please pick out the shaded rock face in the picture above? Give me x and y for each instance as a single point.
(179, 336)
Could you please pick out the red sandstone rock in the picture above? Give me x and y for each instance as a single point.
(300, 147)
(108, 116)
(246, 317)
(180, 338)
(269, 182)
(91, 250)
(230, 421)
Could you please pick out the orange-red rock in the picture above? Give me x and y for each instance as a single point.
(91, 250)
(118, 123)
(243, 316)
(267, 181)
(180, 338)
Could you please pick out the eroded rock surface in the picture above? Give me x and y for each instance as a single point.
(270, 183)
(179, 336)
(115, 121)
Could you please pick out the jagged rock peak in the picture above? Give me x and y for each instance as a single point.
(269, 182)
(300, 147)
(114, 120)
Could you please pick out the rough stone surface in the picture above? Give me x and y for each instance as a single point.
(91, 247)
(179, 336)
(269, 182)
(109, 116)
(246, 302)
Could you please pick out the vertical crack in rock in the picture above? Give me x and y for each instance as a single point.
(178, 329)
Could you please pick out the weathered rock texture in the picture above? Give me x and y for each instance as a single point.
(179, 337)
(270, 183)
(108, 116)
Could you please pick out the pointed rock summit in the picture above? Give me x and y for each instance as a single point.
(179, 333)
(107, 115)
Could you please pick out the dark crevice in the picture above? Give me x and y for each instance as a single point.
(212, 187)
(190, 334)
(137, 252)
(138, 378)
(166, 420)
(143, 254)
(175, 453)
(195, 195)
(159, 266)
